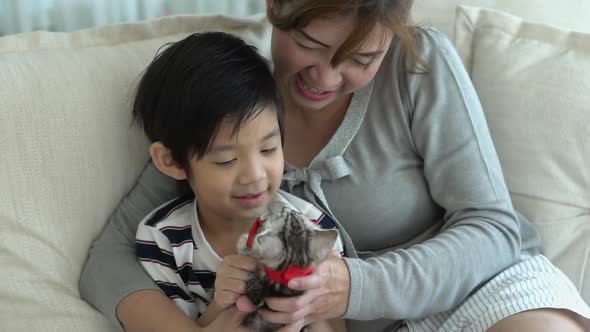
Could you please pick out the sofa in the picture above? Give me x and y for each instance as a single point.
(68, 153)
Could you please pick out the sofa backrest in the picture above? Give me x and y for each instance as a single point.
(567, 14)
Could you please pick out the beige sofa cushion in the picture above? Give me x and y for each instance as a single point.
(565, 13)
(68, 156)
(533, 82)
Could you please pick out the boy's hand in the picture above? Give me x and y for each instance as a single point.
(229, 319)
(230, 282)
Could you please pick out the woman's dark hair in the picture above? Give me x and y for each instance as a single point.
(195, 84)
(393, 14)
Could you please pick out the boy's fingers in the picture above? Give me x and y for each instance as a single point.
(232, 285)
(295, 327)
(241, 262)
(244, 304)
(233, 274)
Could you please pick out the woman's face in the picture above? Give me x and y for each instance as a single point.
(302, 61)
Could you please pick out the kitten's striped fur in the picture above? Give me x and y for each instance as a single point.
(283, 239)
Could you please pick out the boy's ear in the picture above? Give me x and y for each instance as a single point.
(162, 158)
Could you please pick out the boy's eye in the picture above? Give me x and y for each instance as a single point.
(269, 151)
(225, 163)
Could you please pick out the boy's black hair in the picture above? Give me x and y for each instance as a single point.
(195, 84)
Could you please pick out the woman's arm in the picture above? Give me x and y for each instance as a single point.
(112, 272)
(150, 310)
(479, 233)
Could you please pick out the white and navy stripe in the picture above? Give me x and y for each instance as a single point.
(166, 248)
(164, 212)
(325, 222)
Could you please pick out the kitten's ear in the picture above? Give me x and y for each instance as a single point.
(322, 242)
(242, 248)
(262, 240)
(268, 248)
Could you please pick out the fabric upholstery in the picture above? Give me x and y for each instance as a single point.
(565, 14)
(532, 80)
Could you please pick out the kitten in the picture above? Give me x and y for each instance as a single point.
(287, 244)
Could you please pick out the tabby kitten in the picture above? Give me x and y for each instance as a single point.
(287, 244)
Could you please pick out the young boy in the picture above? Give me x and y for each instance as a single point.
(210, 106)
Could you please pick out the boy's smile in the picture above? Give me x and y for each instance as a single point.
(252, 200)
(241, 172)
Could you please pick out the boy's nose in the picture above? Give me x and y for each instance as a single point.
(252, 171)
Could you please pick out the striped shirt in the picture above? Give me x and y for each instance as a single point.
(171, 247)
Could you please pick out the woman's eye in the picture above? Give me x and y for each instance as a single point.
(302, 45)
(224, 163)
(269, 151)
(364, 63)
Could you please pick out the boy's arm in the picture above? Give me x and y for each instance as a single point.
(162, 315)
(212, 312)
(231, 279)
(151, 310)
(331, 325)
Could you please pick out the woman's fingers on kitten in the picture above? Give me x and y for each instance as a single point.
(315, 280)
(306, 283)
(287, 310)
(280, 317)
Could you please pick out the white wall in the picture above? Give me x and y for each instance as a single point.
(68, 15)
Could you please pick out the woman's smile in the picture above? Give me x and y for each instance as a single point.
(309, 92)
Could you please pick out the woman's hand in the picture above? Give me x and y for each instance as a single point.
(231, 278)
(326, 296)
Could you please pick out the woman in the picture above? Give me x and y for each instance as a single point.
(384, 131)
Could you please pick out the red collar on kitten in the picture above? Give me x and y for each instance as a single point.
(253, 231)
(291, 272)
(282, 277)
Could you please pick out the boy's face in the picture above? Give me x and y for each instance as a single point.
(237, 178)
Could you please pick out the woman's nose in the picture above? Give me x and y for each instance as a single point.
(324, 77)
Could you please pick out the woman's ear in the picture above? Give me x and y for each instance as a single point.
(162, 158)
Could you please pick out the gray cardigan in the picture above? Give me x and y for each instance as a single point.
(412, 178)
